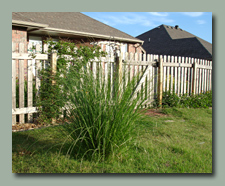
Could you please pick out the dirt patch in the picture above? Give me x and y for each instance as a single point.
(154, 112)
(25, 126)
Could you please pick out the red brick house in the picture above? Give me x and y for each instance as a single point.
(35, 27)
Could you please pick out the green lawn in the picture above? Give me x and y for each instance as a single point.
(179, 141)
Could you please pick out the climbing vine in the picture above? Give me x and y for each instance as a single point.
(71, 57)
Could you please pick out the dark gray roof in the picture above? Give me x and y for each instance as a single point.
(167, 40)
(72, 21)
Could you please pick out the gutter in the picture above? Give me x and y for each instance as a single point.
(28, 24)
(87, 34)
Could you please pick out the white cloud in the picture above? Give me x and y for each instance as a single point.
(159, 13)
(151, 19)
(201, 22)
(163, 20)
(193, 14)
(125, 18)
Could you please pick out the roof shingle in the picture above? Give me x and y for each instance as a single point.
(72, 21)
(167, 40)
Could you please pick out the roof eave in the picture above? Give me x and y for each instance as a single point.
(88, 34)
(44, 27)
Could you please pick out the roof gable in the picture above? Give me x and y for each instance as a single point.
(177, 33)
(168, 40)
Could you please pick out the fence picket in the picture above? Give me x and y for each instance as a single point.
(179, 77)
(185, 76)
(205, 74)
(136, 67)
(201, 78)
(191, 76)
(208, 80)
(21, 83)
(168, 74)
(205, 87)
(155, 78)
(164, 74)
(21, 89)
(149, 81)
(175, 75)
(37, 77)
(211, 76)
(182, 77)
(13, 90)
(29, 89)
(171, 75)
(197, 77)
(112, 68)
(106, 74)
(188, 76)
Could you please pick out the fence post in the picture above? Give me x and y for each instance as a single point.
(119, 69)
(160, 80)
(53, 63)
(194, 66)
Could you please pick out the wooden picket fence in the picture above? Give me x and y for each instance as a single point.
(23, 70)
(156, 75)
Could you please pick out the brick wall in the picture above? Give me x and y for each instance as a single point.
(134, 49)
(130, 48)
(19, 35)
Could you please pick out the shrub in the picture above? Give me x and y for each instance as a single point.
(51, 97)
(168, 100)
(203, 100)
(101, 120)
(100, 115)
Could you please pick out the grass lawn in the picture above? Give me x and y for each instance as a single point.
(176, 140)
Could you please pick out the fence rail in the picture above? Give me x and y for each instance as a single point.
(156, 75)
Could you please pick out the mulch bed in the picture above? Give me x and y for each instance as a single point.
(26, 126)
(31, 126)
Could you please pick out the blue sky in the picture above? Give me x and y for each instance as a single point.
(136, 23)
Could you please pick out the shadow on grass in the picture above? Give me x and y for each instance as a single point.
(51, 140)
(42, 141)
